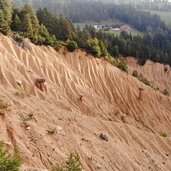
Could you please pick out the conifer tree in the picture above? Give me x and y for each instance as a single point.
(63, 31)
(16, 23)
(27, 25)
(103, 49)
(5, 16)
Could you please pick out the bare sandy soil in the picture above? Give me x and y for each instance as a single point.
(109, 105)
(159, 75)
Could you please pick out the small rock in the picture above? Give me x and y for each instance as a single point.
(98, 167)
(2, 112)
(59, 128)
(51, 131)
(104, 137)
(27, 128)
(81, 97)
(90, 158)
(19, 82)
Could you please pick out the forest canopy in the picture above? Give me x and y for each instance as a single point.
(48, 28)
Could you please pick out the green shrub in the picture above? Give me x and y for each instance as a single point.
(93, 47)
(163, 134)
(56, 45)
(72, 164)
(141, 78)
(71, 45)
(9, 161)
(48, 41)
(135, 73)
(166, 92)
(121, 64)
(18, 38)
(107, 58)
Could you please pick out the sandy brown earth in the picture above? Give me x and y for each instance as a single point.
(159, 75)
(109, 105)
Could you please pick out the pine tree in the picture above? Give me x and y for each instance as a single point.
(103, 49)
(44, 34)
(5, 16)
(27, 25)
(16, 24)
(2, 21)
(47, 19)
(31, 20)
(63, 31)
(115, 51)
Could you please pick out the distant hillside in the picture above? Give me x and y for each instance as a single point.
(165, 16)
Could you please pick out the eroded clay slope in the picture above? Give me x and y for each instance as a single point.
(158, 74)
(109, 104)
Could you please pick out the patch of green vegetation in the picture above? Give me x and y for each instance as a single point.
(140, 77)
(72, 164)
(163, 134)
(143, 79)
(120, 63)
(93, 47)
(135, 73)
(166, 92)
(71, 45)
(9, 161)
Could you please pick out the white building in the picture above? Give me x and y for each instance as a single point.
(98, 27)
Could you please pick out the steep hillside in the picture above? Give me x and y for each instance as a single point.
(159, 75)
(85, 97)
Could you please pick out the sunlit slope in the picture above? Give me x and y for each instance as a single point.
(109, 104)
(158, 74)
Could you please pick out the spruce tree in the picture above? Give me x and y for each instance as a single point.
(63, 31)
(103, 49)
(16, 23)
(5, 16)
(27, 25)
